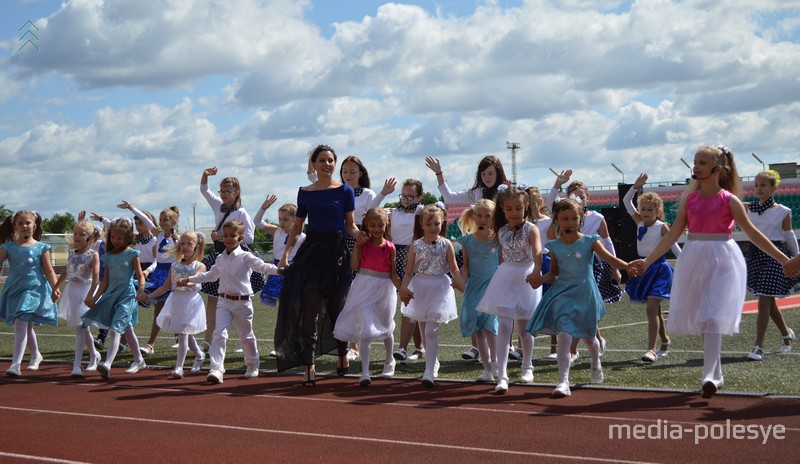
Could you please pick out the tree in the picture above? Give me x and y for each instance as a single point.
(59, 223)
(4, 212)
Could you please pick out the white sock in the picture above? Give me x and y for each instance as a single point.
(194, 346)
(504, 327)
(183, 346)
(364, 350)
(133, 343)
(20, 340)
(562, 355)
(388, 344)
(113, 346)
(483, 350)
(80, 342)
(712, 362)
(593, 345)
(33, 343)
(430, 333)
(527, 342)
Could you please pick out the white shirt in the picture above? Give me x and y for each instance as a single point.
(240, 214)
(279, 238)
(770, 222)
(233, 271)
(464, 197)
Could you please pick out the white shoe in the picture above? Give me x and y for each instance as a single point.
(136, 367)
(436, 367)
(273, 354)
(352, 354)
(786, 347)
(364, 381)
(662, 353)
(710, 387)
(552, 356)
(214, 376)
(147, 350)
(562, 390)
(94, 360)
(13, 370)
(574, 358)
(177, 373)
(602, 346)
(427, 379)
(388, 369)
(198, 362)
(597, 376)
(34, 364)
(757, 354)
(252, 370)
(486, 377)
(417, 354)
(76, 372)
(527, 375)
(471, 354)
(502, 386)
(239, 350)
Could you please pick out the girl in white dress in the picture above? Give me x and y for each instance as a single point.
(427, 295)
(183, 312)
(83, 277)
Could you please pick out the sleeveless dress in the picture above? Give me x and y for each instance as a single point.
(656, 281)
(79, 280)
(483, 262)
(26, 294)
(708, 287)
(117, 308)
(368, 313)
(508, 294)
(184, 311)
(573, 303)
(434, 299)
(765, 276)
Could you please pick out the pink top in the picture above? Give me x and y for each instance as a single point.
(709, 215)
(376, 258)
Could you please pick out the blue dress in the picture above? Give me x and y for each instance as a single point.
(483, 262)
(27, 295)
(573, 303)
(117, 308)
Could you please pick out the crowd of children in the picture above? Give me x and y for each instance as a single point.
(550, 276)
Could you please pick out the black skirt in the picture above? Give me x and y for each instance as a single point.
(321, 264)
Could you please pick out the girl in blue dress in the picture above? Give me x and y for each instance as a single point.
(27, 295)
(481, 259)
(572, 307)
(114, 306)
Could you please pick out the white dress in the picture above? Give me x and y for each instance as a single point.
(79, 280)
(184, 311)
(509, 295)
(434, 299)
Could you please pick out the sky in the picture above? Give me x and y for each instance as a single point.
(130, 100)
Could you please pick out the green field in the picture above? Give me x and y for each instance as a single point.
(624, 327)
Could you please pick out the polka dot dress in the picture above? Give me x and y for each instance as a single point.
(765, 276)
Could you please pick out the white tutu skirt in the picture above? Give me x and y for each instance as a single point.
(368, 313)
(71, 306)
(509, 295)
(434, 299)
(183, 313)
(708, 288)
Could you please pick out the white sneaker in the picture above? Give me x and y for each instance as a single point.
(502, 386)
(94, 360)
(527, 375)
(365, 380)
(136, 367)
(76, 372)
(13, 370)
(427, 379)
(34, 364)
(198, 362)
(597, 376)
(485, 376)
(388, 369)
(177, 373)
(436, 367)
(252, 370)
(562, 390)
(574, 358)
(214, 376)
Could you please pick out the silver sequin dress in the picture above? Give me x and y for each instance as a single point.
(184, 311)
(434, 299)
(79, 280)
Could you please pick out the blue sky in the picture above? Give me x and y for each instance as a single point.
(129, 99)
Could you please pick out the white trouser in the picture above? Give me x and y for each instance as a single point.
(240, 312)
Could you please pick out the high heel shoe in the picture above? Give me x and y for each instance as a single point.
(343, 366)
(310, 377)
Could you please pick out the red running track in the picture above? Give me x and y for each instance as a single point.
(148, 418)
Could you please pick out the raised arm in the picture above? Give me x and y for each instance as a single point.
(627, 200)
(142, 217)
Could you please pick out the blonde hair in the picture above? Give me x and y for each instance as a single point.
(728, 177)
(467, 223)
(93, 233)
(429, 210)
(378, 213)
(656, 200)
(772, 176)
(543, 211)
(289, 208)
(199, 248)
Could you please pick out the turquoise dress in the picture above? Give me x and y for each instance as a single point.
(117, 308)
(27, 295)
(483, 262)
(573, 303)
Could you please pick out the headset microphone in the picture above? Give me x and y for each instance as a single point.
(714, 169)
(481, 227)
(567, 231)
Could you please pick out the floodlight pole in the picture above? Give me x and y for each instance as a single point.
(513, 146)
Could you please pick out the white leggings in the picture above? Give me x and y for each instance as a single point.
(505, 326)
(24, 335)
(365, 350)
(83, 337)
(712, 361)
(186, 342)
(563, 354)
(430, 335)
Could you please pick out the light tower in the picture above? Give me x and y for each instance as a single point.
(513, 146)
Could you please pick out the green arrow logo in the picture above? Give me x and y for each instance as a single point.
(28, 24)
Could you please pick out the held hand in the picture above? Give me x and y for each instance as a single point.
(388, 186)
(636, 267)
(792, 267)
(433, 164)
(458, 283)
(363, 237)
(143, 298)
(562, 178)
(616, 276)
(640, 181)
(125, 205)
(183, 282)
(535, 280)
(406, 296)
(283, 263)
(56, 295)
(210, 171)
(269, 201)
(89, 301)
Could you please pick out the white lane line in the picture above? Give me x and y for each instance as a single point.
(338, 438)
(31, 457)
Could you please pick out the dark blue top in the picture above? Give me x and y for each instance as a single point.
(325, 209)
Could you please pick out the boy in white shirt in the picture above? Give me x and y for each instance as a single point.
(233, 268)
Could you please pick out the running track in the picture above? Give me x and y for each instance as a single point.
(148, 418)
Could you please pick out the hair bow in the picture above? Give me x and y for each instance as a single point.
(575, 198)
(440, 205)
(502, 187)
(522, 186)
(201, 236)
(122, 219)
